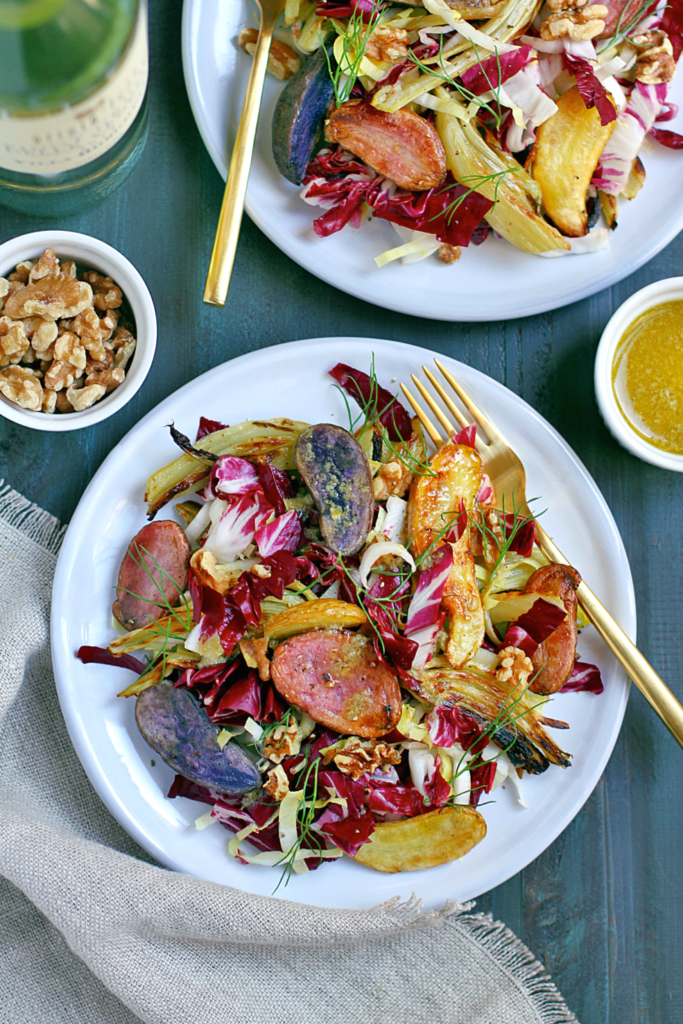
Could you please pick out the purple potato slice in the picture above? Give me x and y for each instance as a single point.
(174, 724)
(336, 471)
(299, 115)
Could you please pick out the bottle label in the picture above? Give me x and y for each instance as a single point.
(52, 143)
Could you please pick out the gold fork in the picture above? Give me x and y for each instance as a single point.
(230, 219)
(507, 475)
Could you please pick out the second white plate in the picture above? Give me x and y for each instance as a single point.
(292, 380)
(493, 281)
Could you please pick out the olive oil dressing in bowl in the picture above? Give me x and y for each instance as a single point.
(639, 374)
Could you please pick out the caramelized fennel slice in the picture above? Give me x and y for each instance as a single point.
(270, 441)
(487, 699)
(515, 214)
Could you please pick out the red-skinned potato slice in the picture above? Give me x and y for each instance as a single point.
(402, 146)
(423, 842)
(160, 546)
(555, 656)
(335, 676)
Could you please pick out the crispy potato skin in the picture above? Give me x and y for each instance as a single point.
(335, 676)
(566, 152)
(423, 842)
(555, 656)
(434, 501)
(401, 146)
(167, 548)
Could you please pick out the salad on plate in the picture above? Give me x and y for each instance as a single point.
(349, 643)
(452, 119)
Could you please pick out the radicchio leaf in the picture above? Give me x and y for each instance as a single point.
(672, 140)
(450, 211)
(584, 677)
(276, 486)
(232, 475)
(397, 799)
(234, 531)
(481, 781)
(349, 834)
(399, 649)
(423, 619)
(243, 696)
(467, 435)
(207, 426)
(672, 24)
(447, 726)
(100, 656)
(283, 534)
(490, 73)
(593, 92)
(360, 386)
(436, 788)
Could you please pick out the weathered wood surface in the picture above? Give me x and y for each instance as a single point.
(603, 907)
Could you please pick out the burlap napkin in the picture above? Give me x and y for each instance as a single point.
(92, 930)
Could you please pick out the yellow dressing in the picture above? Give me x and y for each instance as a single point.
(647, 376)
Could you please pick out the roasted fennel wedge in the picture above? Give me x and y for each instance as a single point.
(516, 214)
(488, 700)
(270, 441)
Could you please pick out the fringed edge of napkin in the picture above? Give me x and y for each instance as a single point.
(519, 964)
(33, 521)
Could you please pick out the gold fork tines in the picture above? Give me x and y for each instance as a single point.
(506, 471)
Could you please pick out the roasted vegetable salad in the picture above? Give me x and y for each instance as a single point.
(349, 642)
(452, 119)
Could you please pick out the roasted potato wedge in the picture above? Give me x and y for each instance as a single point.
(554, 658)
(435, 501)
(431, 839)
(325, 613)
(563, 158)
(515, 215)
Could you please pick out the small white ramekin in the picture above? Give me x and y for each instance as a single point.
(89, 253)
(661, 291)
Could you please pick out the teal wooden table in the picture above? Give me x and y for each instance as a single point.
(603, 906)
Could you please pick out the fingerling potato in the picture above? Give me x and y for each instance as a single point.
(431, 839)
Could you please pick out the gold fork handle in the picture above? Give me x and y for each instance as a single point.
(639, 669)
(230, 220)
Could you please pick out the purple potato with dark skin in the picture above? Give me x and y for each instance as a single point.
(143, 594)
(174, 723)
(299, 115)
(336, 471)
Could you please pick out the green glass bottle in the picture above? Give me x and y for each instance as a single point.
(73, 112)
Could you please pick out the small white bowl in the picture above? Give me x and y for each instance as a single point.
(89, 253)
(669, 289)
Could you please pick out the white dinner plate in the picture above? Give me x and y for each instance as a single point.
(493, 281)
(292, 380)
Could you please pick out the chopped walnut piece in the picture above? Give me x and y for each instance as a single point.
(47, 265)
(62, 403)
(87, 326)
(22, 271)
(264, 572)
(108, 323)
(60, 375)
(13, 341)
(4, 287)
(393, 478)
(50, 297)
(109, 379)
(255, 653)
(358, 757)
(68, 347)
(49, 401)
(277, 786)
(283, 742)
(68, 268)
(283, 62)
(655, 64)
(387, 43)
(449, 253)
(43, 337)
(583, 24)
(203, 563)
(514, 667)
(97, 365)
(565, 5)
(21, 385)
(106, 294)
(83, 398)
(123, 344)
